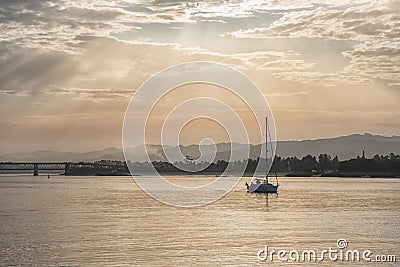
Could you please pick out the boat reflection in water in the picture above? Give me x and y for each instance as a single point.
(265, 198)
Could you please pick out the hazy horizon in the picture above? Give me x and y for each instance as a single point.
(345, 147)
(194, 144)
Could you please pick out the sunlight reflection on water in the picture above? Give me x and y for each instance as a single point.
(109, 220)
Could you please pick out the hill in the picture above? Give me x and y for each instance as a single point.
(345, 147)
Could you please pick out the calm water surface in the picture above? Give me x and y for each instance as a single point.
(81, 221)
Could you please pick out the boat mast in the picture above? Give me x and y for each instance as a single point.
(266, 149)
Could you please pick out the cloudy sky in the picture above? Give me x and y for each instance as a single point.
(69, 68)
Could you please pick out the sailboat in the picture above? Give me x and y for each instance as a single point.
(261, 184)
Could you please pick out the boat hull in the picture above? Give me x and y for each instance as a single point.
(262, 188)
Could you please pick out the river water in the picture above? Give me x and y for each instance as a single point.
(95, 221)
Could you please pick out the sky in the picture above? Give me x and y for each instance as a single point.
(70, 68)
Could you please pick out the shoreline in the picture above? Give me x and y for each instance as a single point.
(288, 175)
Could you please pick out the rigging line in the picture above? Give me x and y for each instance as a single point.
(272, 150)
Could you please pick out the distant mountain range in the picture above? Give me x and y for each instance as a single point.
(344, 147)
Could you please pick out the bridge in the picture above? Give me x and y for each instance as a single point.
(68, 167)
(36, 166)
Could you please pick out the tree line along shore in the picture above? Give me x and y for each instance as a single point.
(324, 165)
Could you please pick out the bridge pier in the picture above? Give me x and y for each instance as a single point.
(67, 169)
(35, 169)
